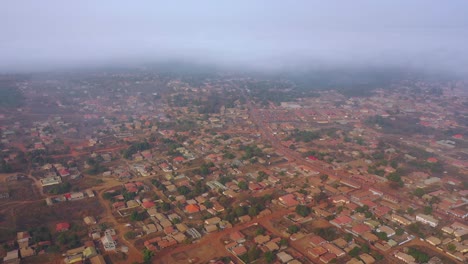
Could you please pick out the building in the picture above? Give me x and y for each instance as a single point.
(405, 258)
(90, 220)
(400, 219)
(51, 181)
(427, 219)
(12, 257)
(288, 200)
(61, 227)
(108, 242)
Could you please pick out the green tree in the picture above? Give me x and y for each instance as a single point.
(348, 237)
(293, 229)
(253, 211)
(253, 253)
(354, 252)
(399, 231)
(283, 242)
(269, 257)
(147, 255)
(260, 231)
(382, 236)
(243, 185)
(324, 177)
(427, 210)
(130, 235)
(240, 211)
(451, 247)
(302, 210)
(365, 248)
(419, 192)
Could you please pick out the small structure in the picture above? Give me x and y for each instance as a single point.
(63, 226)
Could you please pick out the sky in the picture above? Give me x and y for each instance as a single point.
(263, 34)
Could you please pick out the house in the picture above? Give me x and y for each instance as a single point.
(148, 204)
(90, 193)
(239, 250)
(50, 181)
(387, 230)
(405, 257)
(457, 212)
(427, 219)
(284, 257)
(90, 220)
(99, 259)
(108, 242)
(370, 237)
(192, 208)
(360, 229)
(63, 226)
(341, 221)
(237, 236)
(23, 237)
(75, 196)
(212, 221)
(211, 228)
(327, 257)
(317, 251)
(12, 257)
(261, 239)
(271, 246)
(316, 241)
(89, 252)
(150, 228)
(334, 249)
(288, 200)
(244, 218)
(433, 240)
(367, 259)
(400, 219)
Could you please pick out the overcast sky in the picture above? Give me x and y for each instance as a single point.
(45, 34)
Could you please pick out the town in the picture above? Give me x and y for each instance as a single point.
(143, 166)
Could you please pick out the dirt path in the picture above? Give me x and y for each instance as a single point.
(134, 255)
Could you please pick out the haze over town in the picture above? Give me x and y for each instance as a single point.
(233, 132)
(259, 34)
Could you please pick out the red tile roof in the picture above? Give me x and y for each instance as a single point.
(192, 208)
(64, 226)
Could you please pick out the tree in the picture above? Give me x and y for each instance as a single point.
(354, 252)
(243, 185)
(293, 229)
(253, 211)
(253, 253)
(269, 257)
(382, 236)
(135, 216)
(348, 237)
(260, 231)
(420, 256)
(427, 210)
(419, 192)
(183, 190)
(302, 210)
(324, 177)
(399, 232)
(166, 206)
(365, 248)
(451, 247)
(240, 211)
(147, 255)
(130, 235)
